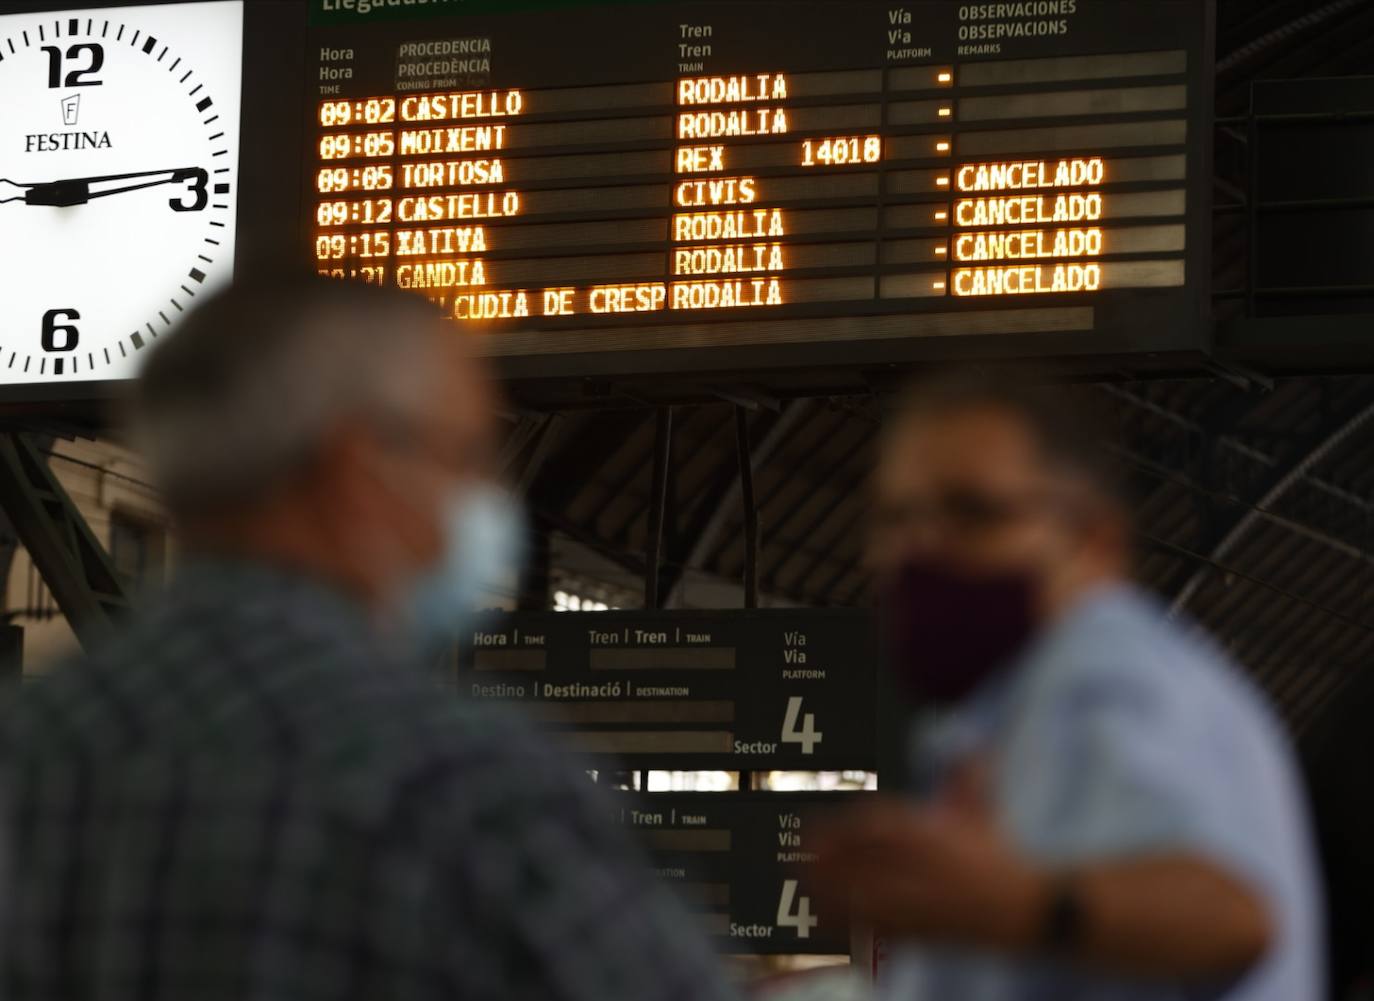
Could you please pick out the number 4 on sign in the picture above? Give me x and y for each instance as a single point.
(802, 920)
(808, 736)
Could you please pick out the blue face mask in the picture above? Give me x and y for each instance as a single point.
(484, 536)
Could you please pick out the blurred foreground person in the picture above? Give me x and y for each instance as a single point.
(253, 792)
(1106, 809)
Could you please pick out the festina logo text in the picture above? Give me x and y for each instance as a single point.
(49, 142)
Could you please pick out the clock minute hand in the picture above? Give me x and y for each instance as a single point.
(78, 190)
(7, 186)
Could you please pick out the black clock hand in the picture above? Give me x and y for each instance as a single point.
(77, 190)
(6, 183)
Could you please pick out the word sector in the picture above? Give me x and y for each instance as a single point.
(570, 196)
(687, 690)
(736, 862)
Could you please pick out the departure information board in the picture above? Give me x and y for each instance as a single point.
(774, 689)
(603, 188)
(738, 861)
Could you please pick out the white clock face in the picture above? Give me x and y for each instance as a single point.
(119, 142)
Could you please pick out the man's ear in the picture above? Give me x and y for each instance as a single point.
(341, 476)
(1108, 531)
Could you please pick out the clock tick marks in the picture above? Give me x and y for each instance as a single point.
(68, 363)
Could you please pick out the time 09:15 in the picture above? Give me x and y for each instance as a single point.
(337, 246)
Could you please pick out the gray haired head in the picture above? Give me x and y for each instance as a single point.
(245, 392)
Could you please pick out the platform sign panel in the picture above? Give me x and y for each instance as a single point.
(641, 187)
(731, 690)
(739, 862)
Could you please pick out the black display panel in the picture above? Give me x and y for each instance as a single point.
(755, 690)
(672, 187)
(738, 862)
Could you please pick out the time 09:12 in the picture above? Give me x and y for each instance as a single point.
(368, 211)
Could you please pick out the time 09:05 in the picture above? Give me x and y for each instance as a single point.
(357, 144)
(378, 177)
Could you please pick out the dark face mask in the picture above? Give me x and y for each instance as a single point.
(948, 630)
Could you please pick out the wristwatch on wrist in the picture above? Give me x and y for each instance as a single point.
(1061, 932)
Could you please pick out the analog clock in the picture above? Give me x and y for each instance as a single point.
(118, 181)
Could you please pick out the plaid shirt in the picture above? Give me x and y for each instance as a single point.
(247, 795)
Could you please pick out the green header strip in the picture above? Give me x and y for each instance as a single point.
(364, 11)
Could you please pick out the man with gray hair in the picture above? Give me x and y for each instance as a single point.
(253, 792)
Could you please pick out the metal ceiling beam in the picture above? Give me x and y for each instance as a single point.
(1168, 475)
(526, 426)
(1269, 39)
(1234, 445)
(818, 521)
(653, 542)
(1322, 445)
(688, 444)
(545, 437)
(595, 438)
(72, 561)
(712, 515)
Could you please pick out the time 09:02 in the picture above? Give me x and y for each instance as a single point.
(373, 111)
